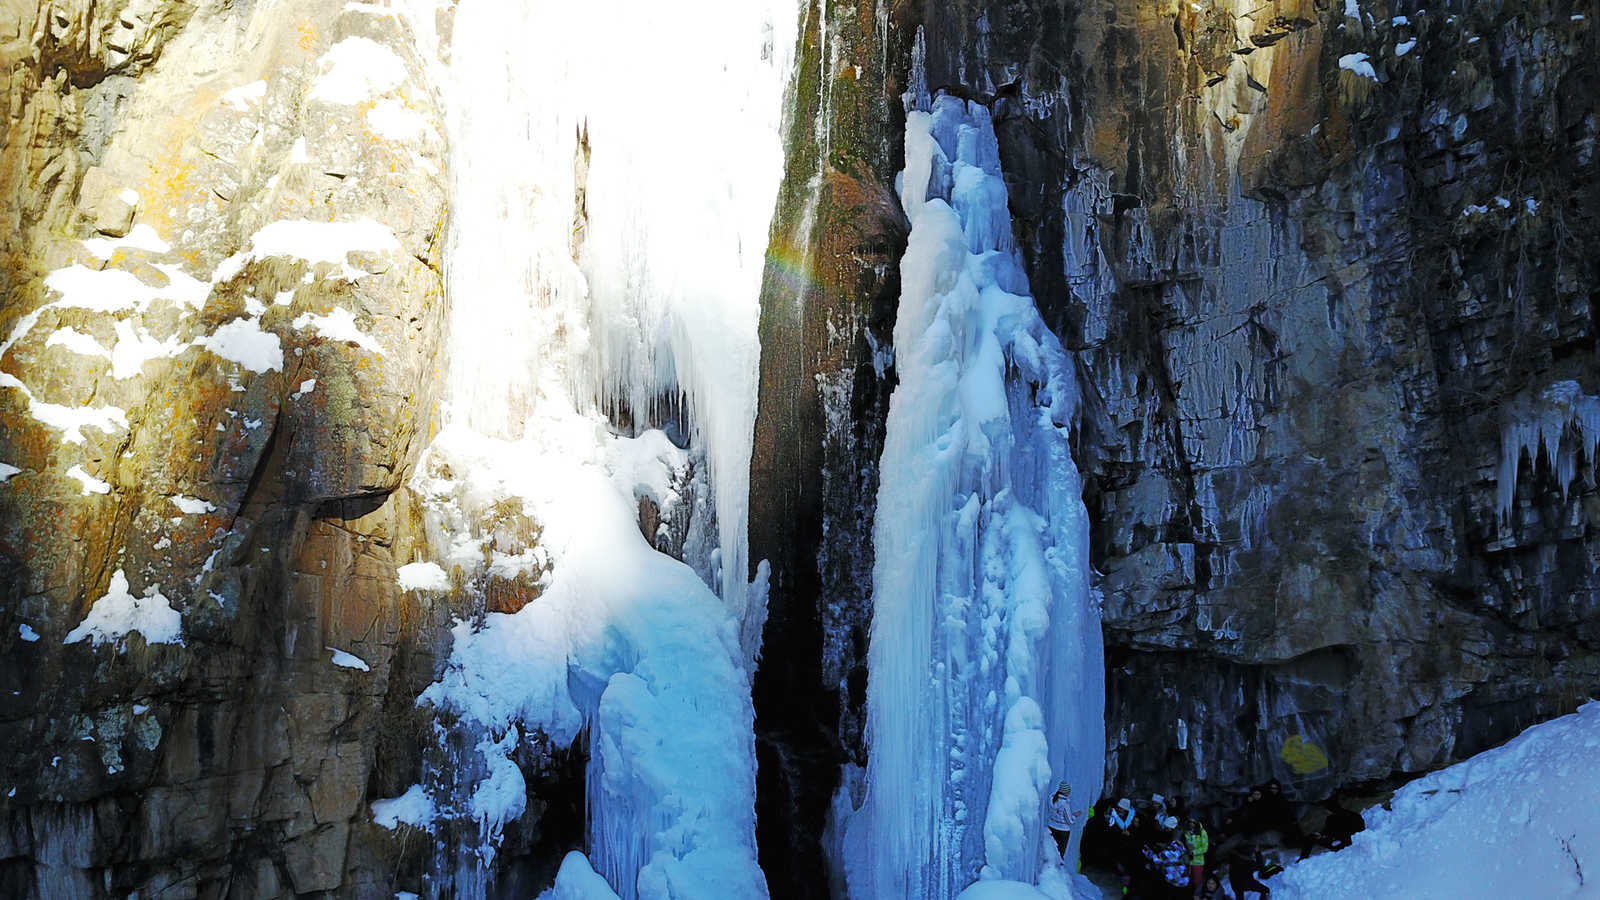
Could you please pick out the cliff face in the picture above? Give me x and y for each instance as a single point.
(1317, 261)
(210, 396)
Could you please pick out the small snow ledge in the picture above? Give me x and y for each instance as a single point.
(423, 576)
(119, 613)
(1357, 63)
(346, 660)
(414, 808)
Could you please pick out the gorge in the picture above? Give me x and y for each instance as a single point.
(726, 449)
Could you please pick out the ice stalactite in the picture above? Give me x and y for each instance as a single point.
(986, 681)
(1561, 423)
(614, 167)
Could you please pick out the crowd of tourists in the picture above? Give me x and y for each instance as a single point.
(1160, 849)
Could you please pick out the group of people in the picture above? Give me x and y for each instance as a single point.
(1161, 850)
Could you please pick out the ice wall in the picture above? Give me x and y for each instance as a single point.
(614, 167)
(986, 682)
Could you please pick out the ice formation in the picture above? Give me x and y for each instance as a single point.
(603, 272)
(1559, 424)
(985, 660)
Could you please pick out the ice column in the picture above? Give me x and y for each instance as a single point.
(986, 674)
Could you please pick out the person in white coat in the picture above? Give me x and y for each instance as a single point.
(1062, 817)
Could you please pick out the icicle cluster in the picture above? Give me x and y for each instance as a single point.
(1539, 425)
(986, 685)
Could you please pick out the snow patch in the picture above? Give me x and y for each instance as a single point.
(91, 484)
(76, 342)
(394, 120)
(27, 633)
(1537, 797)
(423, 576)
(242, 341)
(191, 506)
(338, 325)
(346, 660)
(241, 97)
(414, 808)
(6, 471)
(1357, 63)
(355, 69)
(141, 237)
(119, 613)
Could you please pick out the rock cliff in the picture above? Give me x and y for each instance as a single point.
(1326, 267)
(222, 314)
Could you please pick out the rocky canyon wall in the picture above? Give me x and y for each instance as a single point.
(222, 310)
(1326, 267)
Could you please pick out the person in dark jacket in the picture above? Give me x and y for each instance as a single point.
(1246, 819)
(1243, 870)
(1342, 825)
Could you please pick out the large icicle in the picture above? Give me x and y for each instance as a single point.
(986, 681)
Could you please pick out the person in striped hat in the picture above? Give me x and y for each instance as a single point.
(1062, 817)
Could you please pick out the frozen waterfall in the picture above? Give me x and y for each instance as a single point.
(986, 676)
(613, 168)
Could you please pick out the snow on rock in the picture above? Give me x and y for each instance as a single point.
(423, 576)
(133, 350)
(986, 674)
(1404, 47)
(71, 420)
(242, 341)
(119, 613)
(314, 242)
(647, 466)
(91, 484)
(27, 633)
(102, 290)
(355, 69)
(414, 808)
(6, 471)
(141, 237)
(338, 325)
(1357, 63)
(1522, 820)
(242, 96)
(192, 507)
(396, 121)
(623, 638)
(77, 342)
(346, 660)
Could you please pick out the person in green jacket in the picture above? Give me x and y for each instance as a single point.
(1197, 842)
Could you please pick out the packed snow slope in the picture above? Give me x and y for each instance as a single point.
(1520, 822)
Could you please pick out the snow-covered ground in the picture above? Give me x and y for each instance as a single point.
(1520, 822)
